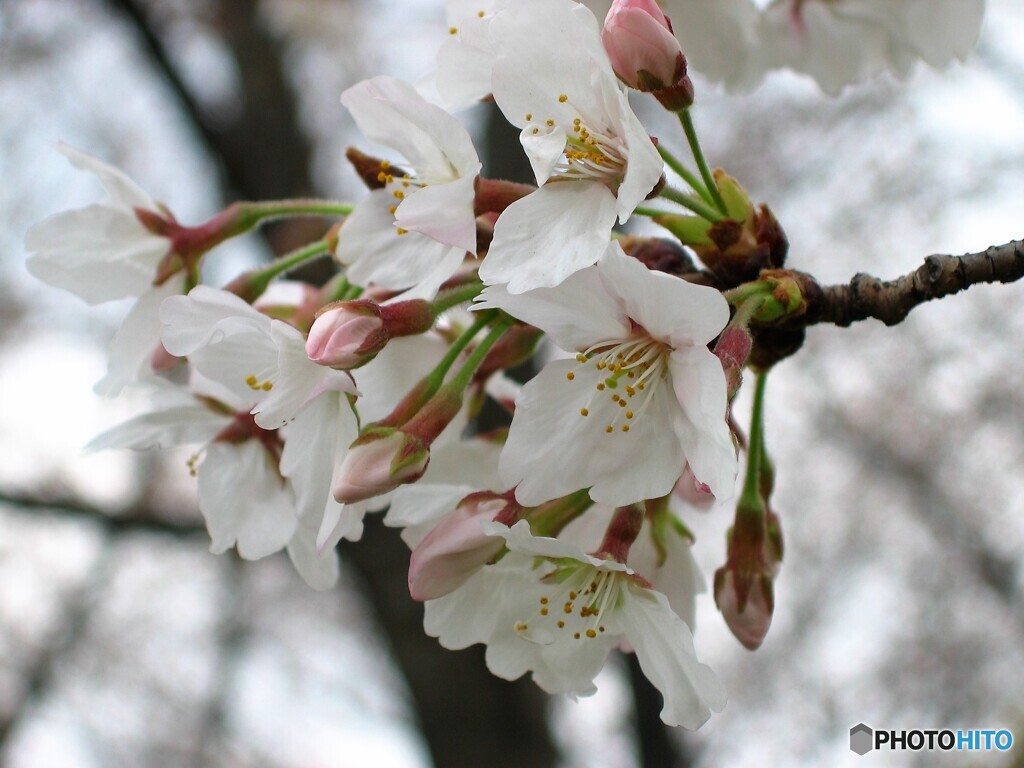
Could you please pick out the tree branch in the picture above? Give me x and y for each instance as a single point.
(892, 300)
(136, 519)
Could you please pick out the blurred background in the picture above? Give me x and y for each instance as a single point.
(899, 451)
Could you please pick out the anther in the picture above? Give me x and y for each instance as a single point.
(562, 99)
(584, 412)
(570, 375)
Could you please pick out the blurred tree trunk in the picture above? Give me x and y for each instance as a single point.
(468, 717)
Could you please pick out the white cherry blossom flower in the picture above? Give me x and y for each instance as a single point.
(259, 359)
(643, 396)
(549, 608)
(245, 500)
(590, 154)
(841, 42)
(416, 231)
(104, 252)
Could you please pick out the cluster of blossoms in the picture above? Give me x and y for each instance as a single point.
(561, 537)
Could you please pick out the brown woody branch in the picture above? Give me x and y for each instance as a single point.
(892, 300)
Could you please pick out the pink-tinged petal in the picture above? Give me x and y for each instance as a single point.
(131, 349)
(699, 385)
(442, 212)
(669, 308)
(376, 254)
(454, 550)
(391, 112)
(664, 647)
(548, 235)
(121, 190)
(637, 38)
(575, 314)
(244, 500)
(417, 508)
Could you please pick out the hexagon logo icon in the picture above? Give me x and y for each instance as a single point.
(861, 739)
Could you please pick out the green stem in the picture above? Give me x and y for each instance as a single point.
(452, 297)
(251, 215)
(650, 212)
(691, 137)
(688, 201)
(460, 344)
(261, 278)
(462, 379)
(686, 174)
(750, 501)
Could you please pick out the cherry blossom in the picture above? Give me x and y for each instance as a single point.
(642, 397)
(104, 252)
(591, 156)
(550, 609)
(415, 231)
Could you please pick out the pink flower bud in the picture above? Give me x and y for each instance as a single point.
(747, 611)
(455, 548)
(346, 336)
(643, 50)
(379, 461)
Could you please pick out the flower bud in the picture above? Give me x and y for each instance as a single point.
(455, 548)
(645, 53)
(347, 336)
(379, 460)
(744, 586)
(749, 616)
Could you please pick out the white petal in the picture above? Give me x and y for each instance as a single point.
(553, 450)
(206, 316)
(471, 614)
(547, 49)
(320, 571)
(164, 428)
(376, 254)
(579, 312)
(699, 384)
(121, 190)
(664, 648)
(313, 443)
(389, 376)
(548, 235)
(391, 112)
(442, 212)
(544, 148)
(419, 506)
(644, 165)
(244, 500)
(669, 308)
(133, 346)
